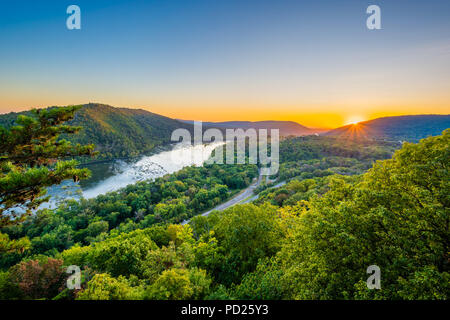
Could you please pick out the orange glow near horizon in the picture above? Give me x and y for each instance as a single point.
(355, 119)
(301, 62)
(324, 118)
(357, 131)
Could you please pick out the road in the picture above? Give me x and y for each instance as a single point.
(256, 196)
(240, 197)
(245, 196)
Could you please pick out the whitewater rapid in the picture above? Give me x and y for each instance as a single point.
(151, 167)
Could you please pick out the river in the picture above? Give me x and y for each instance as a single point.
(116, 174)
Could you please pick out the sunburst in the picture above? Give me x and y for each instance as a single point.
(355, 119)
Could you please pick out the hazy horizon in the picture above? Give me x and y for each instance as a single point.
(239, 119)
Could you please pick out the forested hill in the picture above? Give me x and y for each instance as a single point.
(117, 132)
(405, 128)
(287, 128)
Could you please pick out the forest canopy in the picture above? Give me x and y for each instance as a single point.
(314, 244)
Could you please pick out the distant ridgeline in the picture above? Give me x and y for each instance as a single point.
(287, 128)
(123, 133)
(403, 128)
(116, 132)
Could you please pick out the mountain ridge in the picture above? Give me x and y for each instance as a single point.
(116, 132)
(287, 128)
(405, 127)
(120, 132)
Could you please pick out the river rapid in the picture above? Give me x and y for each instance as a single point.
(114, 175)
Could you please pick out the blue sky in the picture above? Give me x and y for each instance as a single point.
(221, 60)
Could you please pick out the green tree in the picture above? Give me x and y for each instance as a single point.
(11, 246)
(262, 284)
(122, 255)
(179, 284)
(397, 218)
(8, 289)
(104, 287)
(247, 233)
(30, 160)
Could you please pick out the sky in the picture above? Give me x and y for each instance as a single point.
(313, 62)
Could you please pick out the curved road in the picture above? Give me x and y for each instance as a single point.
(241, 196)
(256, 196)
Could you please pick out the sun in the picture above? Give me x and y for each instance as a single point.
(354, 119)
